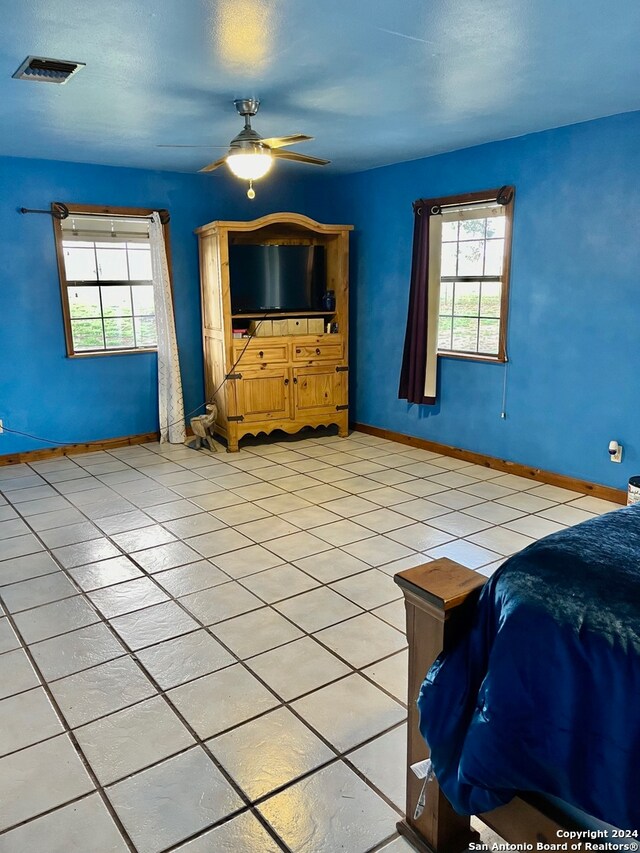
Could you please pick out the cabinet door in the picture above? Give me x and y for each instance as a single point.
(318, 390)
(264, 395)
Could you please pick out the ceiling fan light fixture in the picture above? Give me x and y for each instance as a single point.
(250, 156)
(249, 165)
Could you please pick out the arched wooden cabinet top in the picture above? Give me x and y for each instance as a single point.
(279, 221)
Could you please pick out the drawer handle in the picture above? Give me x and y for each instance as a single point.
(286, 381)
(261, 354)
(317, 352)
(295, 381)
(297, 351)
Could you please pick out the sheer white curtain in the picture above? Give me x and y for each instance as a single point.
(170, 402)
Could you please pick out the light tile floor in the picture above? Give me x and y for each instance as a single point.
(205, 652)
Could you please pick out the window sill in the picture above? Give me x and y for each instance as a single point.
(100, 353)
(470, 356)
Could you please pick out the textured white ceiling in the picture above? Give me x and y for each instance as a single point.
(374, 81)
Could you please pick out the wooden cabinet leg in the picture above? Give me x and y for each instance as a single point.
(343, 428)
(232, 439)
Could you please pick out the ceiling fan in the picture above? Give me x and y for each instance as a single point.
(250, 156)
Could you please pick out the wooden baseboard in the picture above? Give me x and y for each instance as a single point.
(67, 449)
(597, 490)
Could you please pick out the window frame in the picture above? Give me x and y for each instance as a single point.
(488, 196)
(98, 209)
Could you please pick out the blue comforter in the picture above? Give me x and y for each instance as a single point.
(543, 693)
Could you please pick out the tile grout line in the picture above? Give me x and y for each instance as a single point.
(98, 786)
(270, 605)
(450, 509)
(76, 745)
(209, 629)
(233, 579)
(152, 576)
(176, 599)
(199, 740)
(320, 584)
(242, 578)
(68, 731)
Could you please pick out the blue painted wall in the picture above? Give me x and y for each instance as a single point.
(43, 392)
(573, 376)
(574, 326)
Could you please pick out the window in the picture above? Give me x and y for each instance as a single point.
(104, 260)
(475, 241)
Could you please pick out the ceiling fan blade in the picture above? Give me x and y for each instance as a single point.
(191, 146)
(281, 141)
(213, 165)
(300, 158)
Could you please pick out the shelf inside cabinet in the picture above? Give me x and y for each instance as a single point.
(269, 315)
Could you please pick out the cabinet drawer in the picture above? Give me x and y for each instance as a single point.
(260, 352)
(319, 351)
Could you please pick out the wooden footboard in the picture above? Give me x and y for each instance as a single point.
(439, 598)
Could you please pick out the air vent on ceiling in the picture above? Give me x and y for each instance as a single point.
(42, 70)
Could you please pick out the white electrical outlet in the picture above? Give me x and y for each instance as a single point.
(615, 451)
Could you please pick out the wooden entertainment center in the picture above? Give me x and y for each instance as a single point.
(285, 382)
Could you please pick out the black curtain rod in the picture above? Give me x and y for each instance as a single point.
(61, 211)
(504, 196)
(58, 210)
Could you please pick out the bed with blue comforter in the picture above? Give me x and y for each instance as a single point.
(542, 694)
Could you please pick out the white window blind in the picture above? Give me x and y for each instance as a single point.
(81, 227)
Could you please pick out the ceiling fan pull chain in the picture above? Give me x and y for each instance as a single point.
(251, 193)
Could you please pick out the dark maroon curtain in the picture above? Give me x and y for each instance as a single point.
(414, 357)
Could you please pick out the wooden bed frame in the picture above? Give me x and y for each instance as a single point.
(438, 599)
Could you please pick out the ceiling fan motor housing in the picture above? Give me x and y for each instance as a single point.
(248, 141)
(247, 106)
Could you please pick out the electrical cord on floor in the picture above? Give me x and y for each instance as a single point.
(35, 437)
(212, 399)
(175, 423)
(236, 362)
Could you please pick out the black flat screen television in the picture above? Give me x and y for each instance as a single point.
(276, 278)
